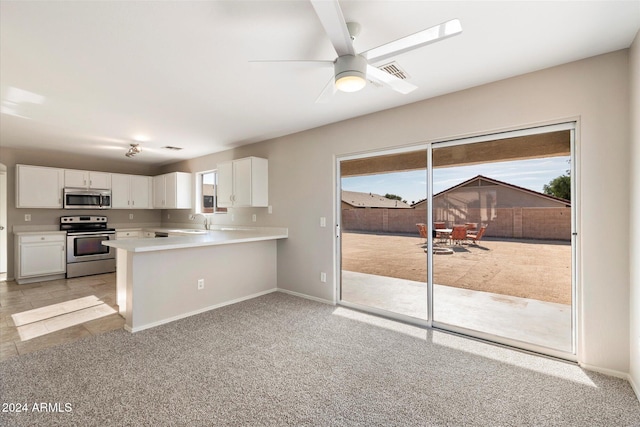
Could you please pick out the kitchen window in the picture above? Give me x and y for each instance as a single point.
(206, 193)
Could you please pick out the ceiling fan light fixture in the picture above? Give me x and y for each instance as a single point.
(350, 73)
(350, 82)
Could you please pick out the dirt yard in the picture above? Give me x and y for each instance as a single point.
(529, 269)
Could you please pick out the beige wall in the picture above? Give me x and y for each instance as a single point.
(593, 91)
(50, 217)
(634, 252)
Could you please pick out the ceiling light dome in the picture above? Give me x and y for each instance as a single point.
(350, 73)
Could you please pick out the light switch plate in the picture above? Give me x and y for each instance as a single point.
(323, 221)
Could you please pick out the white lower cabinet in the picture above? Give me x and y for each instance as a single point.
(128, 234)
(134, 233)
(40, 255)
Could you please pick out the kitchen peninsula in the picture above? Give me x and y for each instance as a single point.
(165, 279)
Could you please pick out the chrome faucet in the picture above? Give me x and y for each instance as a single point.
(205, 221)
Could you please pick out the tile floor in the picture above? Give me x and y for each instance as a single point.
(45, 314)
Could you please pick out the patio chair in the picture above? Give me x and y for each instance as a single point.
(459, 234)
(475, 237)
(422, 229)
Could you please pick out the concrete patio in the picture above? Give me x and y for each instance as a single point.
(517, 289)
(538, 322)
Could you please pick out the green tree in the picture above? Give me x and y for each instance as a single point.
(559, 187)
(394, 197)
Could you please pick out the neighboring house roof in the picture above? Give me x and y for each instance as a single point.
(479, 178)
(370, 200)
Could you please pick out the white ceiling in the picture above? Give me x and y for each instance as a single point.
(88, 77)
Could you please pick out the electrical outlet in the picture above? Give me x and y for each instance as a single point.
(27, 217)
(270, 209)
(130, 216)
(200, 284)
(323, 277)
(168, 216)
(254, 217)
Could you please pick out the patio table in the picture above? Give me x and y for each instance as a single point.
(444, 234)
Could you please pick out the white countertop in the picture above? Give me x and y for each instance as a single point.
(221, 236)
(38, 233)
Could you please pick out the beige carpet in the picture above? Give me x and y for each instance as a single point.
(279, 360)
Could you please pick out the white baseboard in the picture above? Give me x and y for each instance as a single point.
(305, 296)
(193, 313)
(610, 372)
(634, 386)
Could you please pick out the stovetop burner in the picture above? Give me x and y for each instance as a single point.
(84, 223)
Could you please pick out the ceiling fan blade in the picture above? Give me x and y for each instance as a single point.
(393, 82)
(328, 92)
(311, 62)
(332, 20)
(414, 41)
(301, 63)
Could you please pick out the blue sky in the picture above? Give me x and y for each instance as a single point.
(531, 174)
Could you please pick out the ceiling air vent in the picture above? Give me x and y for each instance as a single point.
(394, 69)
(169, 147)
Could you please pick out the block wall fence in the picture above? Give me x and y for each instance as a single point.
(508, 223)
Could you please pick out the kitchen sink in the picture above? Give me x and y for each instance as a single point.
(188, 231)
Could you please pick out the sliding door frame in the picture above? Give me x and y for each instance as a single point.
(338, 202)
(570, 125)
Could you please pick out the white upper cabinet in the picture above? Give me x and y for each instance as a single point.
(243, 183)
(131, 191)
(39, 187)
(172, 191)
(87, 179)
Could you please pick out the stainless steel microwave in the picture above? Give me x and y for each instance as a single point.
(77, 198)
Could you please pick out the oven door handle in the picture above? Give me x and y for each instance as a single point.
(91, 234)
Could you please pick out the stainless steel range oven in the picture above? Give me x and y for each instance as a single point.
(86, 254)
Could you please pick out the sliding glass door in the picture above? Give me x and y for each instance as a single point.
(475, 236)
(383, 215)
(502, 212)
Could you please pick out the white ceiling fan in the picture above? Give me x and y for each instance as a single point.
(351, 69)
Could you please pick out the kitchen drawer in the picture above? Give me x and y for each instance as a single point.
(133, 234)
(43, 238)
